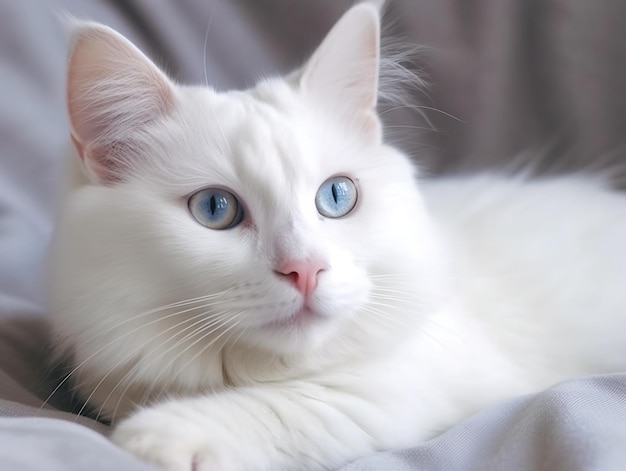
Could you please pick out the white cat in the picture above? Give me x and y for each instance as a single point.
(254, 280)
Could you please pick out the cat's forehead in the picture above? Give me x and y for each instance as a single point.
(262, 137)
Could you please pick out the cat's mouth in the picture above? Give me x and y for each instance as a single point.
(301, 318)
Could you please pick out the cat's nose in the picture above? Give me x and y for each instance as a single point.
(302, 273)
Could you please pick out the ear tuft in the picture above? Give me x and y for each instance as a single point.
(113, 92)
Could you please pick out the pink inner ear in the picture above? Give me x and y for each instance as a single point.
(110, 163)
(102, 162)
(113, 92)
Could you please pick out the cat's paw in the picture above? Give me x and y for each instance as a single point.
(173, 438)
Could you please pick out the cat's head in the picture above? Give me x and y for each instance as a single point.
(274, 217)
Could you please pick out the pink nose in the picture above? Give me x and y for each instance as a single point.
(302, 273)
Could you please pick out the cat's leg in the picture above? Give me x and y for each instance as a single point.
(290, 426)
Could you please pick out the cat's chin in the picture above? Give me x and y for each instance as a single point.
(304, 329)
(303, 318)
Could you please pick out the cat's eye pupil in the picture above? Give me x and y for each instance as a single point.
(334, 190)
(213, 205)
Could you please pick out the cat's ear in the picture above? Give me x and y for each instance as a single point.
(343, 72)
(113, 92)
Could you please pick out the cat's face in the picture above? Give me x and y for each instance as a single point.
(273, 217)
(281, 274)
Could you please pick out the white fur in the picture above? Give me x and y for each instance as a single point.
(437, 302)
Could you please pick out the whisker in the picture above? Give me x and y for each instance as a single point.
(383, 296)
(391, 290)
(133, 352)
(389, 306)
(206, 41)
(409, 126)
(214, 326)
(165, 307)
(204, 349)
(421, 107)
(407, 276)
(149, 389)
(382, 316)
(424, 322)
(136, 366)
(108, 345)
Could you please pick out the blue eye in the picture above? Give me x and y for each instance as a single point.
(336, 197)
(216, 208)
